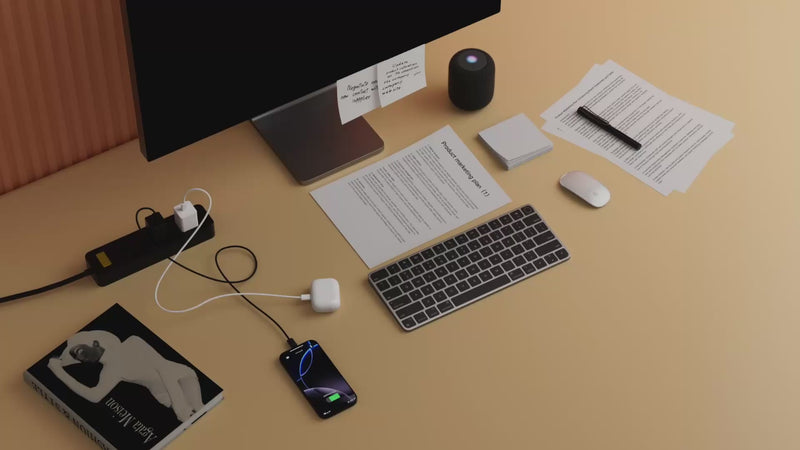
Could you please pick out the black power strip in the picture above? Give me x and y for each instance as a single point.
(160, 239)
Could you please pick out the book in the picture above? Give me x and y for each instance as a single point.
(122, 385)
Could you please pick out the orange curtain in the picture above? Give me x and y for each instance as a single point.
(65, 92)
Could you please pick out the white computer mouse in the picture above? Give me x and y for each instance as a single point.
(586, 187)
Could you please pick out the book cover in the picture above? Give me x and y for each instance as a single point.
(121, 385)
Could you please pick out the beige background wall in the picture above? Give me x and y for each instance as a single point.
(65, 90)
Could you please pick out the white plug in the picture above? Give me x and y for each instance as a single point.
(324, 295)
(185, 216)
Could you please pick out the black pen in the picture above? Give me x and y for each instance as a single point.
(603, 123)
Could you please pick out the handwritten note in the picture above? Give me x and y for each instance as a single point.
(402, 75)
(358, 94)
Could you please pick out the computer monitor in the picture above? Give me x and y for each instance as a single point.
(199, 67)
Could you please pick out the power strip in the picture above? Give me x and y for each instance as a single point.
(160, 239)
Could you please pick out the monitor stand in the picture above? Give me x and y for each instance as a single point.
(309, 138)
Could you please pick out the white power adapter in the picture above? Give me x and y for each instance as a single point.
(185, 216)
(324, 295)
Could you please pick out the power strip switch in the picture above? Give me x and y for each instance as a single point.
(160, 239)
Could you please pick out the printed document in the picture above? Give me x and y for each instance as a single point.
(677, 138)
(405, 200)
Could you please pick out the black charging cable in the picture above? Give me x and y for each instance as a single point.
(156, 218)
(49, 287)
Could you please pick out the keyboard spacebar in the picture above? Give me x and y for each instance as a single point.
(483, 289)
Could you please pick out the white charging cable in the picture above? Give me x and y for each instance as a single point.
(208, 211)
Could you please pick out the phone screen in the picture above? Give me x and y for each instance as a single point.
(318, 379)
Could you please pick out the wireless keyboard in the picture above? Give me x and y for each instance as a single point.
(461, 270)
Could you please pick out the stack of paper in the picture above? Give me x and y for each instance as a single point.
(516, 140)
(677, 138)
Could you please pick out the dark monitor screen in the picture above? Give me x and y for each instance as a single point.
(200, 66)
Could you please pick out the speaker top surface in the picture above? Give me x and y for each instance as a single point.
(471, 59)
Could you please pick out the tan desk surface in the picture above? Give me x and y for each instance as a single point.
(674, 326)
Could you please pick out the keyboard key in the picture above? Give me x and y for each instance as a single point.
(515, 274)
(517, 226)
(495, 224)
(463, 286)
(540, 264)
(450, 244)
(509, 242)
(404, 263)
(461, 274)
(529, 244)
(451, 255)
(483, 229)
(462, 239)
(497, 270)
(440, 260)
(529, 268)
(505, 219)
(484, 264)
(548, 247)
(428, 302)
(496, 235)
(420, 317)
(415, 295)
(429, 265)
(495, 259)
(527, 209)
(473, 281)
(379, 275)
(544, 237)
(406, 275)
(427, 289)
(416, 259)
(530, 232)
(464, 261)
(551, 258)
(406, 286)
(392, 293)
(474, 245)
(432, 312)
(450, 279)
(440, 296)
(441, 271)
(519, 261)
(481, 290)
(530, 220)
(439, 285)
(463, 250)
(453, 266)
(485, 240)
(439, 248)
(409, 310)
(518, 249)
(417, 270)
(417, 282)
(383, 285)
(507, 230)
(451, 291)
(541, 227)
(473, 269)
(429, 277)
(508, 265)
(562, 254)
(408, 323)
(472, 234)
(393, 269)
(519, 237)
(395, 280)
(445, 306)
(485, 275)
(475, 257)
(516, 214)
(530, 255)
(507, 254)
(400, 302)
(497, 247)
(428, 254)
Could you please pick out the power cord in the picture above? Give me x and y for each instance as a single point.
(49, 287)
(238, 293)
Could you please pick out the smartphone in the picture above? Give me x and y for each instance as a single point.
(318, 379)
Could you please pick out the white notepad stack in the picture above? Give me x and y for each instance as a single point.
(516, 140)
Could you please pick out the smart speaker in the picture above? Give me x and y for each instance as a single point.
(471, 79)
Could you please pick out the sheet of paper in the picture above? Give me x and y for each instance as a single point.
(358, 94)
(678, 139)
(402, 75)
(417, 194)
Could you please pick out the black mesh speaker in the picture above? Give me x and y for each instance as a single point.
(471, 79)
